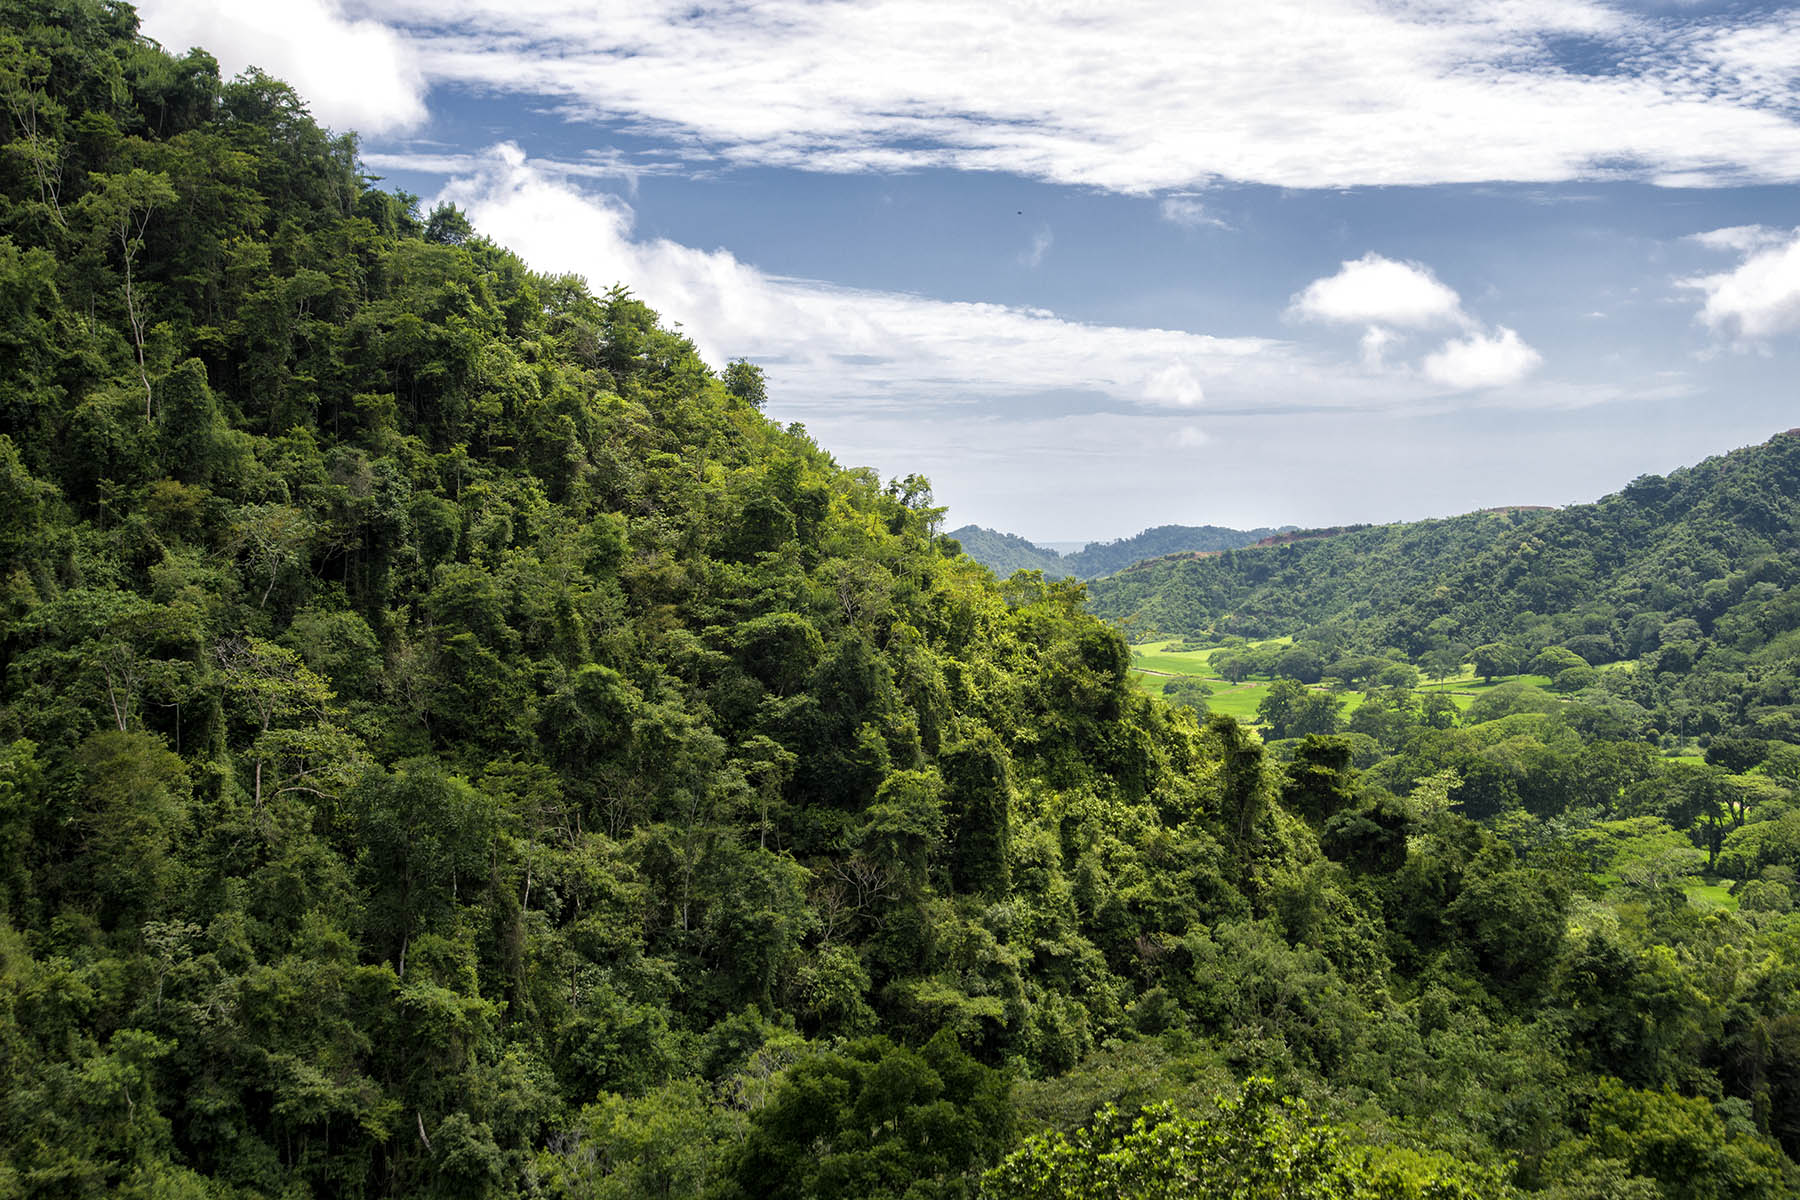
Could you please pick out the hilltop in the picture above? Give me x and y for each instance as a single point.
(1004, 553)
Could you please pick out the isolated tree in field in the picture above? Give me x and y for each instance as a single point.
(1188, 692)
(1441, 664)
(1554, 660)
(1234, 667)
(1495, 659)
(1302, 662)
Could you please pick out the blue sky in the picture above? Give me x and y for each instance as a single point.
(1098, 267)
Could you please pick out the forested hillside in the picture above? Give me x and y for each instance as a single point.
(1683, 590)
(452, 744)
(1004, 553)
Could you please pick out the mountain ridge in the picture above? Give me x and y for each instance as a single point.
(1004, 553)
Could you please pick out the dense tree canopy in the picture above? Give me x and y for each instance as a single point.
(453, 744)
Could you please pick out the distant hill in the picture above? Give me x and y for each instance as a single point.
(1004, 553)
(1713, 546)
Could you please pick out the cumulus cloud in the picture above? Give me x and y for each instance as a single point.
(354, 73)
(1482, 360)
(1761, 296)
(1139, 97)
(1391, 298)
(1373, 290)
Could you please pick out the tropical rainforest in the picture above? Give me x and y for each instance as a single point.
(453, 744)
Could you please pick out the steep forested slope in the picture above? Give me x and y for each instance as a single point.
(452, 744)
(1004, 553)
(435, 702)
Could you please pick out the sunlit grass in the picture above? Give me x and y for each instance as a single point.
(1153, 665)
(1702, 894)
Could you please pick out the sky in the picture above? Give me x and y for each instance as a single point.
(1096, 267)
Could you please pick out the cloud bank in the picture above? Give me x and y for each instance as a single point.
(825, 346)
(1138, 96)
(832, 350)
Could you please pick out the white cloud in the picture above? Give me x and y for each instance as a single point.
(1188, 211)
(1377, 290)
(1757, 60)
(1189, 436)
(1040, 246)
(1482, 360)
(825, 347)
(605, 163)
(1761, 297)
(1741, 238)
(354, 74)
(1144, 97)
(830, 351)
(1388, 296)
(1174, 386)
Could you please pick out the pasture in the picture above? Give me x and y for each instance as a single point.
(1153, 664)
(1463, 688)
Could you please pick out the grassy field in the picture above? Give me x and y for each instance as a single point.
(1152, 665)
(1709, 895)
(1464, 688)
(1155, 656)
(1192, 663)
(1240, 700)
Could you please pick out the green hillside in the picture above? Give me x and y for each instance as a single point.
(1691, 579)
(453, 745)
(1004, 553)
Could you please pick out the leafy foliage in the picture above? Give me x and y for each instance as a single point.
(453, 744)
